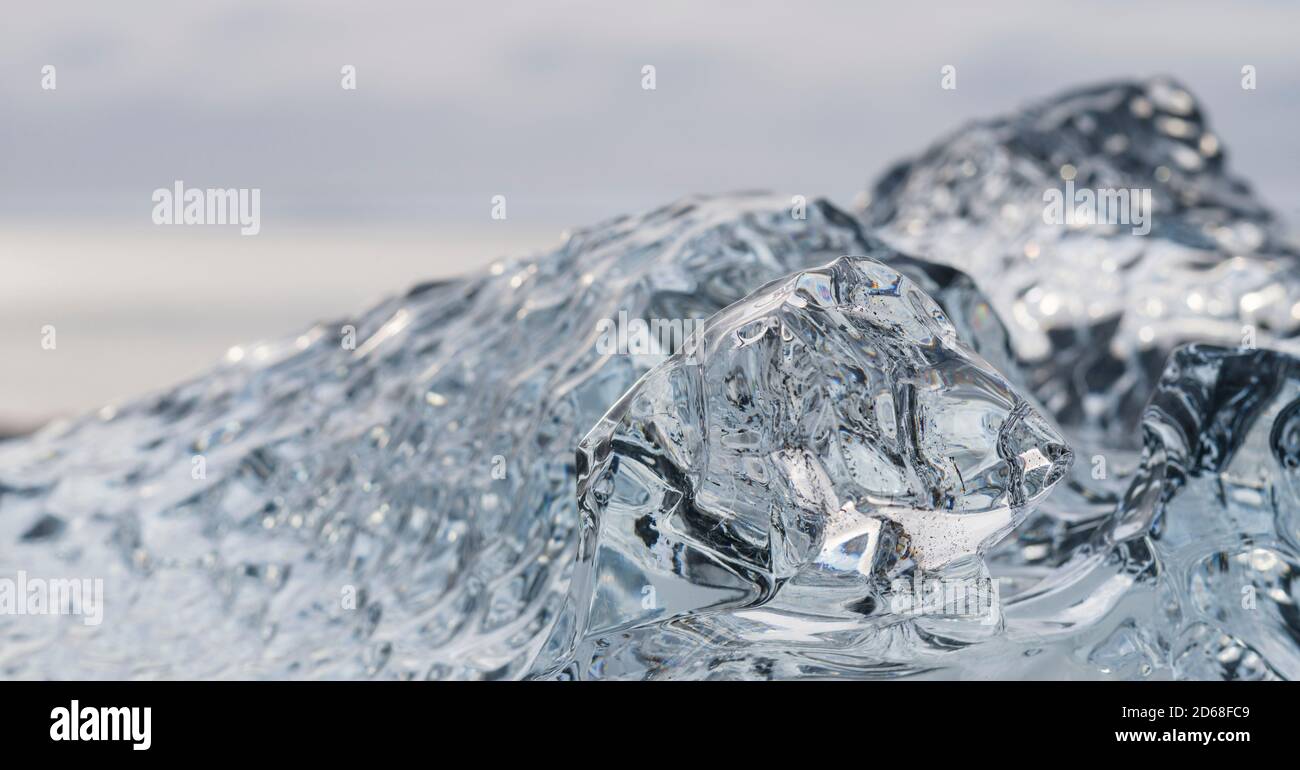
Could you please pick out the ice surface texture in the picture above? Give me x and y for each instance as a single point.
(1096, 309)
(400, 507)
(409, 505)
(828, 434)
(1219, 492)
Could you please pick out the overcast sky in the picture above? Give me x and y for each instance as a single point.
(542, 101)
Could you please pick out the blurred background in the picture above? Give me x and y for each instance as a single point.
(367, 191)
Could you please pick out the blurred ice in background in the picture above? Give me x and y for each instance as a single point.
(365, 192)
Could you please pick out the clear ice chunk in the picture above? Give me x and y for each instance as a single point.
(393, 495)
(1218, 494)
(1156, 244)
(1096, 304)
(390, 495)
(823, 437)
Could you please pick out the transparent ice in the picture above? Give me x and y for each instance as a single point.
(759, 492)
(401, 507)
(423, 504)
(1096, 309)
(1218, 494)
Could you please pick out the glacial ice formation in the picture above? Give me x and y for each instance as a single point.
(1095, 307)
(826, 435)
(1096, 303)
(397, 495)
(403, 506)
(1219, 493)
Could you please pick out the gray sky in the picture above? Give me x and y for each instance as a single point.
(365, 192)
(541, 101)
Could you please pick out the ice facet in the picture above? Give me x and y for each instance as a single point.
(827, 435)
(1218, 493)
